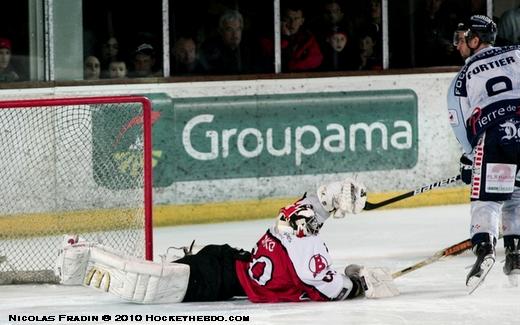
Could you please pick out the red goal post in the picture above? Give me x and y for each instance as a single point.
(79, 165)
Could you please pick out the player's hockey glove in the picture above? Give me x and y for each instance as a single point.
(466, 169)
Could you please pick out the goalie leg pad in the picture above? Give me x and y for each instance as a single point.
(71, 264)
(136, 280)
(129, 278)
(377, 282)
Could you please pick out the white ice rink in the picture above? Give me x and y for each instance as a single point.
(435, 294)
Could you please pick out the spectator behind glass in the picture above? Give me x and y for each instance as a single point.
(509, 27)
(227, 54)
(109, 52)
(7, 73)
(300, 50)
(376, 17)
(91, 68)
(144, 61)
(332, 17)
(186, 57)
(338, 54)
(370, 24)
(433, 35)
(368, 58)
(332, 13)
(117, 69)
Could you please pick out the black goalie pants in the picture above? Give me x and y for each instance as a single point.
(212, 273)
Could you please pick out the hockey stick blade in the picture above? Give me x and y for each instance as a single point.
(439, 184)
(453, 250)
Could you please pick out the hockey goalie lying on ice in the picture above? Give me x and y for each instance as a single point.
(290, 263)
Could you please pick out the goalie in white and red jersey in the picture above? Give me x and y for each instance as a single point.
(290, 263)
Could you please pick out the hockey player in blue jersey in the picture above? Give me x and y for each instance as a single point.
(484, 111)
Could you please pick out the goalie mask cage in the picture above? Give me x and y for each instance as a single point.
(72, 166)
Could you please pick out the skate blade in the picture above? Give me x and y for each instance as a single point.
(474, 282)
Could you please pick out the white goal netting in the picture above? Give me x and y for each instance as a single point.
(72, 166)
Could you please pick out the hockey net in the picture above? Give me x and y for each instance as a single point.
(72, 166)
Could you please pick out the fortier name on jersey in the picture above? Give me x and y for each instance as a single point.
(490, 65)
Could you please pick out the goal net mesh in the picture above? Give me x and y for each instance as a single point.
(69, 168)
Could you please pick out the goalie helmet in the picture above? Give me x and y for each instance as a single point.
(482, 27)
(298, 218)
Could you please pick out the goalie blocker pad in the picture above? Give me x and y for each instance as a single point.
(129, 278)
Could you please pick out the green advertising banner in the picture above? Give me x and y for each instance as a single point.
(296, 134)
(279, 135)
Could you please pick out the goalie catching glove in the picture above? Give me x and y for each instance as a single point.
(342, 198)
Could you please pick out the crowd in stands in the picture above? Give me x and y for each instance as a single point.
(109, 63)
(329, 39)
(324, 35)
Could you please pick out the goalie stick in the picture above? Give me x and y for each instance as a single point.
(439, 184)
(442, 183)
(453, 250)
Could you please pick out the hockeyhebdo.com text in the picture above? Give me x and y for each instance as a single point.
(122, 318)
(300, 141)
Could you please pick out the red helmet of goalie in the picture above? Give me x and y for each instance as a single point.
(298, 218)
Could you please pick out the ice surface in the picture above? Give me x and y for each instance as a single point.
(435, 294)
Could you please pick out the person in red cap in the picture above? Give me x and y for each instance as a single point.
(6, 71)
(338, 53)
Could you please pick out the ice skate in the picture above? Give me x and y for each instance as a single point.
(485, 260)
(512, 266)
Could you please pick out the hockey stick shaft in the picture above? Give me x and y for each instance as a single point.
(455, 249)
(439, 184)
